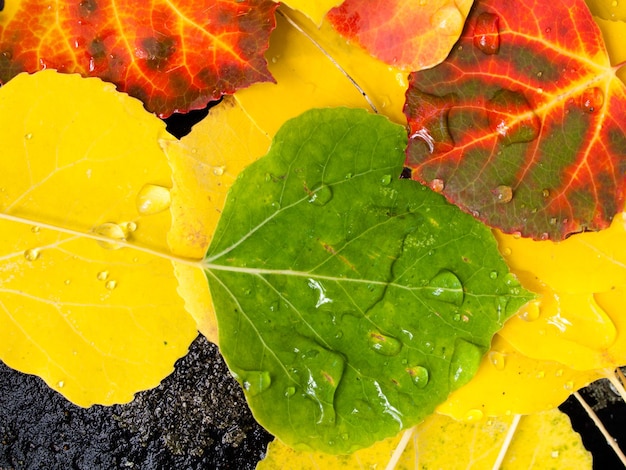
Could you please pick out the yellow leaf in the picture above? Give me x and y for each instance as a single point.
(542, 441)
(614, 33)
(507, 382)
(204, 165)
(315, 10)
(579, 319)
(98, 321)
(607, 9)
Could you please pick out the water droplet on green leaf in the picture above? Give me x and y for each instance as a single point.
(255, 382)
(321, 196)
(447, 287)
(384, 344)
(419, 375)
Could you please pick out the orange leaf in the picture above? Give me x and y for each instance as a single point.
(174, 56)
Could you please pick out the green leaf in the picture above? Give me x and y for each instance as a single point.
(350, 302)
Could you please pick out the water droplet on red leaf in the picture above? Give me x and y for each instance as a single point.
(592, 99)
(512, 118)
(437, 185)
(503, 194)
(487, 33)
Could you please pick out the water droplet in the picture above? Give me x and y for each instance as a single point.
(507, 251)
(35, 229)
(110, 285)
(545, 193)
(503, 194)
(541, 374)
(102, 275)
(61, 384)
(321, 293)
(437, 185)
(487, 33)
(447, 287)
(512, 118)
(497, 359)
(152, 199)
(321, 196)
(219, 170)
(383, 344)
(555, 453)
(511, 280)
(558, 373)
(553, 220)
(67, 282)
(110, 230)
(569, 385)
(448, 20)
(493, 275)
(32, 254)
(539, 74)
(419, 375)
(28, 136)
(474, 415)
(530, 311)
(592, 99)
(464, 363)
(385, 180)
(255, 382)
(290, 391)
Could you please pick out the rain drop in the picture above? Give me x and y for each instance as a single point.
(545, 192)
(28, 136)
(102, 275)
(419, 375)
(60, 383)
(497, 360)
(321, 195)
(502, 194)
(448, 20)
(32, 254)
(35, 229)
(290, 391)
(437, 185)
(592, 100)
(447, 287)
(383, 344)
(110, 285)
(493, 275)
(385, 180)
(474, 415)
(113, 231)
(219, 170)
(487, 33)
(152, 199)
(512, 118)
(255, 382)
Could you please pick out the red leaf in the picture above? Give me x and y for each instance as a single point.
(524, 124)
(173, 55)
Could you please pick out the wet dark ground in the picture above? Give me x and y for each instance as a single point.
(196, 419)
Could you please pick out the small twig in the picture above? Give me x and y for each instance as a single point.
(399, 450)
(329, 57)
(609, 439)
(507, 442)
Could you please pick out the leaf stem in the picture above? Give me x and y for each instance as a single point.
(617, 383)
(399, 450)
(297, 27)
(594, 417)
(506, 444)
(103, 239)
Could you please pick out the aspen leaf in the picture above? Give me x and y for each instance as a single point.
(542, 441)
(316, 10)
(97, 321)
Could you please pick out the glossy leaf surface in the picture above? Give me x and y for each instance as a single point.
(174, 56)
(97, 321)
(350, 302)
(409, 35)
(524, 124)
(542, 441)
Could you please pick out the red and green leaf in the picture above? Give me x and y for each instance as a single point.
(524, 124)
(173, 55)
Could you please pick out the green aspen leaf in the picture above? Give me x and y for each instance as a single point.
(350, 302)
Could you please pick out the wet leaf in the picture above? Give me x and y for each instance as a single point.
(349, 302)
(316, 10)
(607, 9)
(579, 318)
(523, 125)
(410, 35)
(98, 322)
(542, 441)
(173, 56)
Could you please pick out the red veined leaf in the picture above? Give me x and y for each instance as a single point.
(524, 124)
(173, 55)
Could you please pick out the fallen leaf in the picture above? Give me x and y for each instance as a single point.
(315, 11)
(349, 302)
(542, 441)
(98, 322)
(174, 56)
(523, 125)
(607, 9)
(508, 382)
(409, 35)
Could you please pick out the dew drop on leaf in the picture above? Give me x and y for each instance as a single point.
(447, 287)
(530, 312)
(384, 344)
(110, 285)
(219, 170)
(503, 194)
(497, 360)
(385, 180)
(255, 382)
(35, 229)
(448, 20)
(152, 199)
(28, 136)
(290, 391)
(592, 100)
(487, 33)
(493, 275)
(32, 254)
(419, 375)
(474, 415)
(464, 362)
(321, 195)
(110, 230)
(512, 118)
(102, 275)
(437, 185)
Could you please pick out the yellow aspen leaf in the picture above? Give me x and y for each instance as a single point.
(508, 382)
(204, 165)
(97, 319)
(316, 10)
(578, 319)
(542, 441)
(614, 33)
